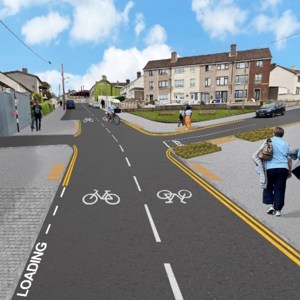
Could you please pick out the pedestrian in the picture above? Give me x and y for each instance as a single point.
(188, 117)
(37, 113)
(181, 117)
(274, 173)
(102, 103)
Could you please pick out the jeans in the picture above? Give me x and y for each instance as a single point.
(275, 190)
(38, 122)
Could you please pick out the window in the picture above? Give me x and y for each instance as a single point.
(298, 78)
(179, 70)
(297, 90)
(258, 78)
(207, 68)
(222, 66)
(242, 65)
(163, 84)
(240, 93)
(241, 79)
(192, 82)
(163, 72)
(163, 97)
(192, 69)
(222, 80)
(259, 63)
(179, 96)
(179, 83)
(207, 81)
(150, 85)
(150, 73)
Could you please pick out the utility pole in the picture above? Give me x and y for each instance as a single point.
(63, 86)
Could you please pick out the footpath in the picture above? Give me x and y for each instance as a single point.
(30, 177)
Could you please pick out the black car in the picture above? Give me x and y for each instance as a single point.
(270, 109)
(70, 104)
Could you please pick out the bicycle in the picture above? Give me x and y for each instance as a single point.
(168, 195)
(109, 198)
(114, 117)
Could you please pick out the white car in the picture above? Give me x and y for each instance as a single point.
(96, 105)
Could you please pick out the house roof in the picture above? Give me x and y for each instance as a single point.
(23, 73)
(245, 55)
(296, 72)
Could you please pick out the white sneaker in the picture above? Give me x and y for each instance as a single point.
(270, 209)
(277, 213)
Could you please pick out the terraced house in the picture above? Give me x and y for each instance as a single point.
(233, 76)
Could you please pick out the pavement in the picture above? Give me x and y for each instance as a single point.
(30, 177)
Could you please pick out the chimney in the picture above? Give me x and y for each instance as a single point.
(24, 70)
(232, 50)
(127, 81)
(138, 74)
(173, 57)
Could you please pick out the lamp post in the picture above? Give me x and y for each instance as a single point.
(63, 87)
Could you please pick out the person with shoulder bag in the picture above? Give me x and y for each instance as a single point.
(181, 117)
(275, 172)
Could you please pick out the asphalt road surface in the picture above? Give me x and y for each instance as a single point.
(167, 238)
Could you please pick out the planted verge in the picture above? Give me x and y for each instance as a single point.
(256, 135)
(196, 149)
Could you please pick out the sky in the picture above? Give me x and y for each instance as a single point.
(117, 38)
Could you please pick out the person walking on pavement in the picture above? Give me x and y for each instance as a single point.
(277, 171)
(181, 117)
(37, 113)
(188, 117)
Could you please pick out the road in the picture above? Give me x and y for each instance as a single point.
(143, 247)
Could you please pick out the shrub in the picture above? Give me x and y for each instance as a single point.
(256, 135)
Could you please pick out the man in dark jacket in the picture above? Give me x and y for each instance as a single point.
(37, 112)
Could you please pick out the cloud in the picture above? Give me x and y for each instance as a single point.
(44, 29)
(156, 35)
(219, 17)
(282, 27)
(97, 20)
(265, 4)
(139, 24)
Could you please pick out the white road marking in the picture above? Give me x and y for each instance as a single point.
(48, 228)
(175, 288)
(107, 130)
(156, 235)
(137, 184)
(54, 213)
(62, 193)
(129, 165)
(102, 125)
(121, 148)
(166, 144)
(114, 138)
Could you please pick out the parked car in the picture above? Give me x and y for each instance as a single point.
(96, 105)
(270, 109)
(70, 104)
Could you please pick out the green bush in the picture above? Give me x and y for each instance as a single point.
(256, 135)
(196, 149)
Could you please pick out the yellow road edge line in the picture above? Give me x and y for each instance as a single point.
(71, 166)
(270, 236)
(79, 129)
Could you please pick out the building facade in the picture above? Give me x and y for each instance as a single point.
(134, 90)
(233, 76)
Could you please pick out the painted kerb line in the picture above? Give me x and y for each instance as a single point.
(137, 184)
(155, 232)
(173, 282)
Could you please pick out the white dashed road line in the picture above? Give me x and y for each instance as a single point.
(54, 213)
(129, 165)
(62, 193)
(48, 228)
(137, 184)
(173, 282)
(121, 148)
(155, 232)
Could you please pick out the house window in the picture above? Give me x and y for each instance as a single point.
(179, 96)
(192, 82)
(163, 84)
(298, 78)
(163, 97)
(192, 69)
(242, 65)
(240, 93)
(222, 80)
(222, 66)
(258, 78)
(207, 68)
(207, 81)
(163, 72)
(241, 79)
(259, 63)
(179, 70)
(297, 90)
(150, 73)
(179, 83)
(150, 85)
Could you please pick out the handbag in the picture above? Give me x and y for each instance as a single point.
(296, 169)
(266, 152)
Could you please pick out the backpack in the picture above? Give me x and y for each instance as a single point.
(266, 152)
(37, 109)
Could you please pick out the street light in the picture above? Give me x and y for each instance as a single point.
(63, 86)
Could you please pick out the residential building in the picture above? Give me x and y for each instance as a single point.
(7, 82)
(134, 90)
(284, 83)
(30, 81)
(233, 76)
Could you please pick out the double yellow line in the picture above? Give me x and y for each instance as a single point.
(71, 167)
(274, 239)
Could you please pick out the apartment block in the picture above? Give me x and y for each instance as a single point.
(228, 77)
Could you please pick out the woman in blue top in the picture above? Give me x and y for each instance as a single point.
(278, 171)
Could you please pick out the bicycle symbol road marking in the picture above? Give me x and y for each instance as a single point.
(108, 197)
(168, 195)
(177, 143)
(85, 120)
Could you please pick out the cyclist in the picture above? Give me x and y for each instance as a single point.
(110, 110)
